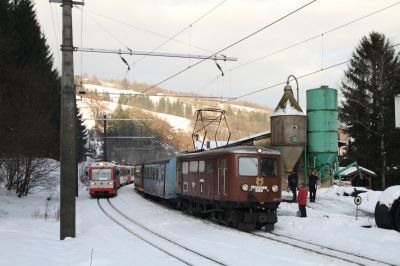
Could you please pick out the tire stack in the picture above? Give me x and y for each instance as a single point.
(388, 218)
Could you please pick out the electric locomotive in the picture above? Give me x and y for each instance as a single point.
(239, 186)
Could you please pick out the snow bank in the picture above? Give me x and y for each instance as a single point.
(390, 195)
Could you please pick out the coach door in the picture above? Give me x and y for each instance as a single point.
(222, 168)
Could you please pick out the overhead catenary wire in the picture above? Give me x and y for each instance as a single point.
(182, 30)
(145, 30)
(297, 76)
(229, 99)
(81, 46)
(55, 32)
(233, 44)
(321, 35)
(315, 36)
(107, 31)
(154, 95)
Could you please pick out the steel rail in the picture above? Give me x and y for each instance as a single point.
(160, 236)
(140, 237)
(319, 249)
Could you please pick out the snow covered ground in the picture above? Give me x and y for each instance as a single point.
(27, 238)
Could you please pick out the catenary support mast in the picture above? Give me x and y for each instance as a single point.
(67, 128)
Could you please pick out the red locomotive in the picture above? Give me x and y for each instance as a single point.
(238, 186)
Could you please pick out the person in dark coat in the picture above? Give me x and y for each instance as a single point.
(302, 200)
(312, 184)
(292, 182)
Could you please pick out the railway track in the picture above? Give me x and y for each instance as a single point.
(303, 245)
(200, 259)
(323, 250)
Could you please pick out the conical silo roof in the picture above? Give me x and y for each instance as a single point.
(288, 104)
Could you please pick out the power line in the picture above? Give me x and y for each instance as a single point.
(307, 40)
(81, 44)
(145, 30)
(314, 37)
(182, 30)
(298, 77)
(132, 52)
(111, 34)
(154, 95)
(55, 33)
(231, 45)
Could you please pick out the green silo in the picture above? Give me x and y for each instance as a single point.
(322, 117)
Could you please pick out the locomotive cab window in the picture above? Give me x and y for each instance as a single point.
(269, 167)
(193, 166)
(209, 167)
(201, 166)
(185, 168)
(248, 166)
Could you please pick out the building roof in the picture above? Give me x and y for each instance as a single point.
(353, 170)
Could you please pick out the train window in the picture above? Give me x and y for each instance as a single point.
(201, 166)
(101, 173)
(209, 167)
(269, 167)
(248, 166)
(162, 170)
(193, 166)
(185, 168)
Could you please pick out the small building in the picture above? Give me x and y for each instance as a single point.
(351, 176)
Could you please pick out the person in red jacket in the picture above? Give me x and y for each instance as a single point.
(302, 199)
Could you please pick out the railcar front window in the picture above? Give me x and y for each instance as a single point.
(248, 166)
(101, 174)
(269, 167)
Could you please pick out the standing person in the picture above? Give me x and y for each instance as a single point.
(302, 200)
(312, 184)
(292, 181)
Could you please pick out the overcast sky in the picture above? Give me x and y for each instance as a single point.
(228, 23)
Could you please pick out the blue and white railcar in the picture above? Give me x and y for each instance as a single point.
(159, 178)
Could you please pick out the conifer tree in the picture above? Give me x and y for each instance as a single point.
(370, 84)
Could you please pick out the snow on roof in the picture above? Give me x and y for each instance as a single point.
(390, 195)
(354, 169)
(287, 110)
(256, 135)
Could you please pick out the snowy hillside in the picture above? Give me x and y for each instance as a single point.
(176, 122)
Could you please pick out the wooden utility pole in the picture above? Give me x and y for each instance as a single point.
(67, 128)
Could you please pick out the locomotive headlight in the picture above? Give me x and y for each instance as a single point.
(245, 187)
(259, 150)
(275, 188)
(110, 183)
(92, 183)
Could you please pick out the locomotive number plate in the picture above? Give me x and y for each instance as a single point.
(259, 188)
